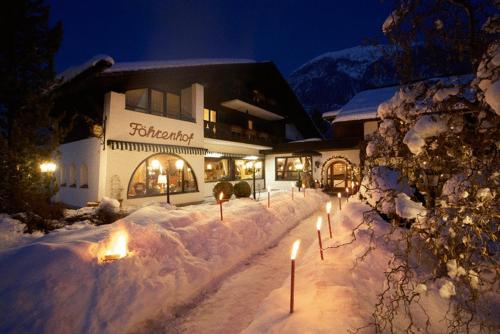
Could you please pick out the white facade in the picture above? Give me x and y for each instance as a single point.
(109, 170)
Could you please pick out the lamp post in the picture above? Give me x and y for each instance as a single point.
(252, 164)
(298, 167)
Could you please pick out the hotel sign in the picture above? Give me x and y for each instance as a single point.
(143, 131)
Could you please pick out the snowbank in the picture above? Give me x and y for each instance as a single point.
(334, 295)
(56, 285)
(12, 233)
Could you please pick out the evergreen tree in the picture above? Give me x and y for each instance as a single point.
(28, 136)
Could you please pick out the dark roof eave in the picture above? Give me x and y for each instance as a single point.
(324, 145)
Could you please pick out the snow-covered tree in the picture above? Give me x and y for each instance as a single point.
(432, 167)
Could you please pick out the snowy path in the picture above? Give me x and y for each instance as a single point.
(232, 307)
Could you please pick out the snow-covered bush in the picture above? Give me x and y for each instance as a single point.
(442, 136)
(242, 189)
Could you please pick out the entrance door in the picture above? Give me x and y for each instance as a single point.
(337, 176)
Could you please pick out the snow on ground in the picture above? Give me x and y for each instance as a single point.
(334, 295)
(232, 307)
(55, 283)
(11, 233)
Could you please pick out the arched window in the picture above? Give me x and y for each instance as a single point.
(72, 176)
(84, 177)
(156, 173)
(62, 176)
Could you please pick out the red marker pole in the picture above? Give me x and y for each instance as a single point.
(221, 196)
(328, 210)
(318, 227)
(295, 249)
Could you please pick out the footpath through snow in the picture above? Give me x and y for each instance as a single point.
(337, 295)
(233, 306)
(55, 284)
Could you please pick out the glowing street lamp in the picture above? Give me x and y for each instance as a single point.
(293, 256)
(328, 210)
(318, 228)
(48, 167)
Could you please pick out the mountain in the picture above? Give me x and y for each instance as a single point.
(329, 81)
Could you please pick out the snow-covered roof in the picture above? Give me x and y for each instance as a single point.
(332, 113)
(74, 71)
(364, 105)
(154, 65)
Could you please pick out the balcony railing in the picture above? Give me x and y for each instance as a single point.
(239, 134)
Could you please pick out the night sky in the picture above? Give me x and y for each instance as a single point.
(287, 32)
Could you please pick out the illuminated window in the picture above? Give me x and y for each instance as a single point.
(217, 170)
(209, 115)
(288, 168)
(250, 124)
(156, 173)
(243, 170)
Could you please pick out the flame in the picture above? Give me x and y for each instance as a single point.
(295, 249)
(116, 247)
(221, 196)
(346, 190)
(318, 223)
(328, 207)
(339, 195)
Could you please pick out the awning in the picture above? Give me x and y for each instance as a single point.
(157, 148)
(211, 154)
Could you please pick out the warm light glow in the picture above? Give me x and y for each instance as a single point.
(155, 164)
(162, 179)
(209, 166)
(339, 195)
(268, 188)
(213, 155)
(249, 165)
(318, 223)
(328, 207)
(116, 247)
(258, 164)
(295, 249)
(48, 167)
(221, 196)
(299, 166)
(251, 157)
(346, 190)
(293, 185)
(303, 186)
(179, 164)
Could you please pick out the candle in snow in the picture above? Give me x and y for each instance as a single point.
(339, 195)
(221, 197)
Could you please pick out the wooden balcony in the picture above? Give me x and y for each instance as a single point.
(237, 133)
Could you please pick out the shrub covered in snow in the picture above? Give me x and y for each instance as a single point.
(442, 136)
(242, 189)
(225, 187)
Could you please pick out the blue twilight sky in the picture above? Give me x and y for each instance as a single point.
(287, 32)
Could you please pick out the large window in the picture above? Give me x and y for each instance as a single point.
(230, 169)
(217, 169)
(244, 169)
(288, 168)
(156, 173)
(155, 102)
